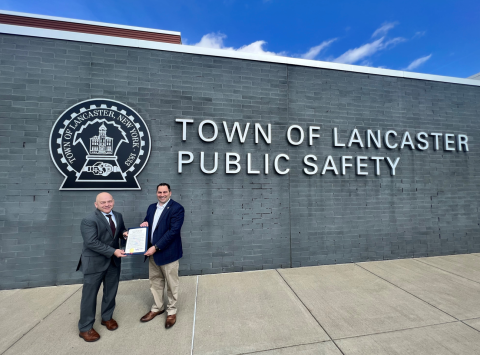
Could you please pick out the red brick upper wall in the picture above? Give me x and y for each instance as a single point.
(98, 29)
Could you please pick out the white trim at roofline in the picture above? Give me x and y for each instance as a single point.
(85, 22)
(135, 43)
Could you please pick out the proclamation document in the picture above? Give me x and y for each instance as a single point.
(137, 240)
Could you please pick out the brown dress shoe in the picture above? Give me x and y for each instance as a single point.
(170, 321)
(110, 324)
(90, 335)
(150, 315)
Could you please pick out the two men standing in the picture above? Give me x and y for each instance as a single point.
(101, 256)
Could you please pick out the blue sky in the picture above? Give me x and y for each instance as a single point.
(433, 37)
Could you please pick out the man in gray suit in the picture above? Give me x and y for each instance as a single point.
(100, 262)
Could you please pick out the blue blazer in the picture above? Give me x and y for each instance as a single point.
(166, 235)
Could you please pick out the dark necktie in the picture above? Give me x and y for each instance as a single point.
(112, 225)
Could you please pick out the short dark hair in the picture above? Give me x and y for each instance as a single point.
(164, 184)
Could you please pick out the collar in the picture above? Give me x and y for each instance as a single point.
(165, 204)
(105, 214)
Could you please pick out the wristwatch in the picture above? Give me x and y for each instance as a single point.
(156, 248)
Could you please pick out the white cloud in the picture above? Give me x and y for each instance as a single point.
(215, 40)
(314, 51)
(256, 48)
(417, 62)
(419, 34)
(354, 55)
(359, 54)
(393, 42)
(212, 40)
(383, 30)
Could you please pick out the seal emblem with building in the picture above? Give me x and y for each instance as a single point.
(100, 144)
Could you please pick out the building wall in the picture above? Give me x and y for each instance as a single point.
(235, 222)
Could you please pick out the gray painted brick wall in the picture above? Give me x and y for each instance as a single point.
(234, 222)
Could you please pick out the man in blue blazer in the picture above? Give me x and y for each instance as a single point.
(164, 219)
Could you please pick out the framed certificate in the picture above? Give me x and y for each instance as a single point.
(137, 241)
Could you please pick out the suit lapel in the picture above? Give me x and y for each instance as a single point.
(166, 210)
(103, 220)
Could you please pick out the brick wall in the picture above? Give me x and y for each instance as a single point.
(235, 222)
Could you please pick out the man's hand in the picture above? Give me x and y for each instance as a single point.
(125, 235)
(150, 250)
(144, 224)
(119, 253)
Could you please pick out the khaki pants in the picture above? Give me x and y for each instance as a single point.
(158, 276)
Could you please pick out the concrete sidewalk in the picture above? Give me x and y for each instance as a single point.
(410, 306)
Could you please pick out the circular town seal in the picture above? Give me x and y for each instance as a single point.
(100, 144)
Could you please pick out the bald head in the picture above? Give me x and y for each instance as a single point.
(104, 202)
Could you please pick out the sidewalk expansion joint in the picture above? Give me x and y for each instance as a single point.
(391, 283)
(468, 325)
(398, 330)
(41, 320)
(450, 272)
(194, 315)
(309, 311)
(283, 347)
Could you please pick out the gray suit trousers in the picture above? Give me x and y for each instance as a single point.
(91, 284)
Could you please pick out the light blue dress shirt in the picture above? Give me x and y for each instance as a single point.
(113, 218)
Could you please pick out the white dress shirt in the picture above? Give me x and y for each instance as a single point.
(156, 218)
(113, 218)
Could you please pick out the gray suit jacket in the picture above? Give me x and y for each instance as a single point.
(98, 242)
